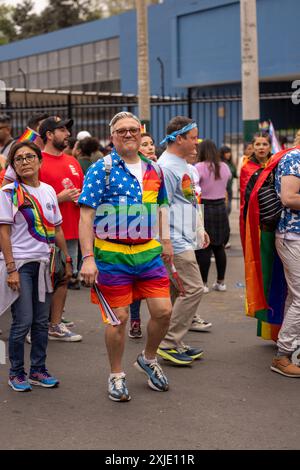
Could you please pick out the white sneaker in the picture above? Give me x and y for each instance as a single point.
(62, 333)
(205, 289)
(198, 324)
(219, 287)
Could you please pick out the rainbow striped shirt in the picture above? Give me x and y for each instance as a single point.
(125, 211)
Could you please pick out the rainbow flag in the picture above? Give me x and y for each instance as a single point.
(265, 282)
(276, 147)
(108, 315)
(29, 134)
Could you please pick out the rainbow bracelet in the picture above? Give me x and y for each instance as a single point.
(87, 256)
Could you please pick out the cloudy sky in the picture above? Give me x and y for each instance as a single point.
(38, 4)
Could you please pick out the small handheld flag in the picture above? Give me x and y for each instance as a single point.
(29, 134)
(176, 281)
(108, 315)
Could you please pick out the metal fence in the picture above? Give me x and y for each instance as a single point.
(219, 116)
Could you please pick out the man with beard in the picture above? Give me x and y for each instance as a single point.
(64, 174)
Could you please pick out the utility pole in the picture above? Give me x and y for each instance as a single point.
(250, 78)
(143, 62)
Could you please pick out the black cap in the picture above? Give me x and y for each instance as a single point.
(52, 123)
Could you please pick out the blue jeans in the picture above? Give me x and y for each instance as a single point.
(28, 313)
(135, 310)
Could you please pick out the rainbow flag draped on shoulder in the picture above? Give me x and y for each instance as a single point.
(265, 282)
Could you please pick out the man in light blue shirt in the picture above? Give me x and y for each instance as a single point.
(182, 139)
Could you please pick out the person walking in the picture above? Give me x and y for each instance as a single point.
(182, 140)
(126, 262)
(29, 220)
(214, 176)
(249, 174)
(64, 174)
(147, 148)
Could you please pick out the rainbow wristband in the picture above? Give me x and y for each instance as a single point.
(87, 256)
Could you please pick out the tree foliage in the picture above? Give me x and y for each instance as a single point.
(7, 27)
(22, 22)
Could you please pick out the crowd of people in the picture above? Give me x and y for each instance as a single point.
(130, 226)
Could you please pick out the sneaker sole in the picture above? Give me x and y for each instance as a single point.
(122, 400)
(167, 357)
(18, 389)
(197, 356)
(150, 383)
(39, 384)
(66, 340)
(135, 337)
(201, 329)
(274, 369)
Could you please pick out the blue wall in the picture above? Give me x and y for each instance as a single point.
(197, 40)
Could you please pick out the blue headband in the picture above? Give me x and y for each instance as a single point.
(172, 137)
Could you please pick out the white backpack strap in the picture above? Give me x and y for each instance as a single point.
(108, 166)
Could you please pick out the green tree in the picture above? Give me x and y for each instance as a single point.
(56, 15)
(8, 31)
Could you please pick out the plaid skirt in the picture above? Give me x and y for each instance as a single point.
(216, 222)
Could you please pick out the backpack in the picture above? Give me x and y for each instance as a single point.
(270, 206)
(108, 166)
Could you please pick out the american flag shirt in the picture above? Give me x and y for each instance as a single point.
(125, 211)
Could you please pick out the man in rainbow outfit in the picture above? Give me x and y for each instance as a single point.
(118, 208)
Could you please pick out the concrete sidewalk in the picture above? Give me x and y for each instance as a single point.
(228, 400)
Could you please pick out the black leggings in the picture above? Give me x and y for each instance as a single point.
(203, 259)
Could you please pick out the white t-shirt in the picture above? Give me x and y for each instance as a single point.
(136, 170)
(28, 237)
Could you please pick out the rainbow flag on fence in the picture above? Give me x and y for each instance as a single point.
(29, 134)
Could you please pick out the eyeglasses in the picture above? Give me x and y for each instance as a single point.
(28, 158)
(132, 130)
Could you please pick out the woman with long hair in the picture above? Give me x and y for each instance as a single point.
(226, 157)
(250, 171)
(30, 224)
(213, 177)
(147, 147)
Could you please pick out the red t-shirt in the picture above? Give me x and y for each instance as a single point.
(53, 171)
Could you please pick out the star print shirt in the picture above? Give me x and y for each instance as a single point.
(126, 211)
(289, 223)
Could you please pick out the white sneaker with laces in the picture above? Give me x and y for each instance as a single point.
(62, 333)
(205, 289)
(199, 324)
(219, 287)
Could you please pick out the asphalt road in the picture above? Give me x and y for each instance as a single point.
(228, 400)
